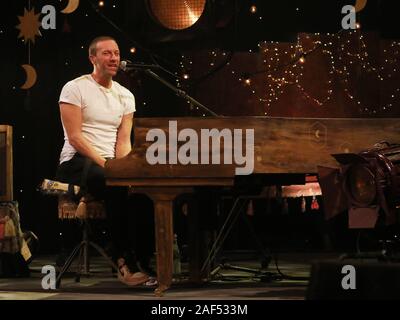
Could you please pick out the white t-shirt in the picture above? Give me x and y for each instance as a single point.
(102, 112)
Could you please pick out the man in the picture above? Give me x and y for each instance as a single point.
(97, 118)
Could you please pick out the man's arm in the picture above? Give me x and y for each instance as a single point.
(71, 116)
(123, 145)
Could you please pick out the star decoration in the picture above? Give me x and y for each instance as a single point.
(29, 25)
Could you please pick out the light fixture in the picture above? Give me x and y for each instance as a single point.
(176, 14)
(366, 184)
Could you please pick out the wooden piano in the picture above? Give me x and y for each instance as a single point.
(281, 146)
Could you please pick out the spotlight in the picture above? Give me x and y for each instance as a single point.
(176, 14)
(366, 184)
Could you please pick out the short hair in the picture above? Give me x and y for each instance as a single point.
(93, 44)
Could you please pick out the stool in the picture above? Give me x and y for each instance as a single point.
(87, 209)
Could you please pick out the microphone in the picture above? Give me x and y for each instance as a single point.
(126, 65)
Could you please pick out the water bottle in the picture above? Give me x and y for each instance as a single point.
(177, 257)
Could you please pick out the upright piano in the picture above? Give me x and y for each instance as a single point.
(172, 156)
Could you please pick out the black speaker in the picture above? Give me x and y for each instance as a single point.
(354, 280)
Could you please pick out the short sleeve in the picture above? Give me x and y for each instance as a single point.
(128, 101)
(70, 93)
(130, 104)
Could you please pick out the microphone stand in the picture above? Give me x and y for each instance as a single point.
(178, 92)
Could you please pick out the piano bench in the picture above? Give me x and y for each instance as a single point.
(87, 208)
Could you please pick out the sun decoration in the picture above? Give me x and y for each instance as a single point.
(29, 25)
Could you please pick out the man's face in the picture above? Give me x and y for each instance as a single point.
(107, 58)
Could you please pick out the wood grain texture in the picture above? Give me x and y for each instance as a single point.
(282, 145)
(6, 152)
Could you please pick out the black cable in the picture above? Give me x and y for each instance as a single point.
(205, 76)
(287, 277)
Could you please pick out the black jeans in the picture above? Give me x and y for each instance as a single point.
(130, 219)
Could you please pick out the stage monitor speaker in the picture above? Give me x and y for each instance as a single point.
(354, 280)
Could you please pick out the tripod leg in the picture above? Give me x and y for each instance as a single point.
(224, 232)
(79, 266)
(105, 256)
(266, 254)
(68, 263)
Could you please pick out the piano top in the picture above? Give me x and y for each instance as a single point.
(281, 146)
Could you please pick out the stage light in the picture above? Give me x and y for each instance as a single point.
(176, 14)
(366, 184)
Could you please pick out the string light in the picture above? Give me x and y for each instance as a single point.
(253, 9)
(101, 3)
(133, 50)
(285, 67)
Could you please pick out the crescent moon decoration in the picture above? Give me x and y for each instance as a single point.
(31, 76)
(317, 134)
(360, 5)
(71, 6)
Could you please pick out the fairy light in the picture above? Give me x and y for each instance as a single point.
(285, 66)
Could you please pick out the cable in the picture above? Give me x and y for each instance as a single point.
(284, 276)
(203, 77)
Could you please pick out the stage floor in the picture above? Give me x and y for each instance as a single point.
(228, 284)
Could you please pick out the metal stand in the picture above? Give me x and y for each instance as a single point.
(239, 205)
(179, 92)
(82, 249)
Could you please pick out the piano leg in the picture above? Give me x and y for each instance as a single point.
(164, 241)
(163, 199)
